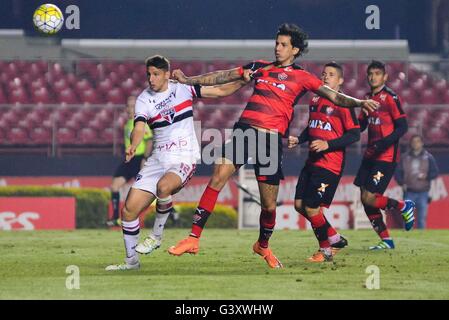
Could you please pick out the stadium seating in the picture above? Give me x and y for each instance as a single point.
(39, 99)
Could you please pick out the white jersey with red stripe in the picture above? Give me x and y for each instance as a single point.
(170, 115)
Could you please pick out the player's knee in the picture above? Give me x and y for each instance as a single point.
(299, 207)
(128, 214)
(163, 189)
(269, 206)
(217, 181)
(367, 198)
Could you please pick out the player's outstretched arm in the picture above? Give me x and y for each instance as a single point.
(227, 89)
(346, 101)
(222, 90)
(136, 138)
(209, 79)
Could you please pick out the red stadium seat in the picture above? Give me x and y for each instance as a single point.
(88, 136)
(17, 136)
(428, 97)
(41, 95)
(107, 135)
(40, 136)
(18, 96)
(115, 96)
(66, 136)
(67, 96)
(90, 96)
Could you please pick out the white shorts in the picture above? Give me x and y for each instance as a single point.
(155, 169)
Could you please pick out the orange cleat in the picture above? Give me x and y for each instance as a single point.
(188, 245)
(268, 255)
(321, 256)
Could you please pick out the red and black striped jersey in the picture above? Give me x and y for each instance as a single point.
(276, 92)
(328, 121)
(381, 124)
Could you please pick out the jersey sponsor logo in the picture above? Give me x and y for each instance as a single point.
(318, 124)
(172, 145)
(165, 102)
(377, 177)
(274, 84)
(322, 189)
(374, 121)
(282, 76)
(315, 99)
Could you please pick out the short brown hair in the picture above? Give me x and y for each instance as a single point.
(158, 61)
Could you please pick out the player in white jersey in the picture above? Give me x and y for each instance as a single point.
(167, 107)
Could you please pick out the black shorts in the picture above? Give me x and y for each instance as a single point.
(375, 176)
(264, 148)
(316, 186)
(129, 170)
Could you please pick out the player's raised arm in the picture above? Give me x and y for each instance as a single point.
(136, 137)
(346, 101)
(211, 78)
(227, 89)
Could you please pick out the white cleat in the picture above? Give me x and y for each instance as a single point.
(123, 266)
(148, 245)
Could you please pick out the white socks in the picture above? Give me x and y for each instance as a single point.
(131, 237)
(163, 209)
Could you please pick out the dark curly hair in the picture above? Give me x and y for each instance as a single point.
(299, 38)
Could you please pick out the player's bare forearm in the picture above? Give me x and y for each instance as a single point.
(137, 133)
(149, 148)
(346, 101)
(338, 98)
(222, 90)
(214, 78)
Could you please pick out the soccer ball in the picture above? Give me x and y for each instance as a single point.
(48, 19)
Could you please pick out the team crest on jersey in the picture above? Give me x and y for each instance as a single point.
(377, 177)
(322, 189)
(168, 114)
(138, 177)
(383, 96)
(318, 124)
(329, 110)
(282, 76)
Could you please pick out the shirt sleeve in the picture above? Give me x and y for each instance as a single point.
(349, 118)
(396, 111)
(311, 82)
(141, 110)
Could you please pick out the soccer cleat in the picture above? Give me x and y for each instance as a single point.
(123, 267)
(408, 214)
(384, 244)
(114, 223)
(187, 245)
(321, 255)
(148, 245)
(268, 255)
(336, 247)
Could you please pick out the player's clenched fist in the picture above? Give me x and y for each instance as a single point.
(292, 142)
(129, 153)
(179, 76)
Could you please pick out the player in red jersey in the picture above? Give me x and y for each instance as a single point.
(385, 126)
(257, 134)
(330, 130)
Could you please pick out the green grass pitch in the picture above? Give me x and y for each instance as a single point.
(33, 266)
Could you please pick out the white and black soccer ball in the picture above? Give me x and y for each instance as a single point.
(48, 19)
